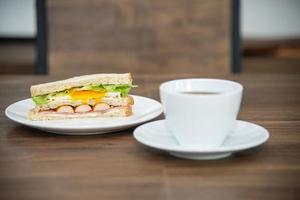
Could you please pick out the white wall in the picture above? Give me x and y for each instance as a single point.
(260, 19)
(270, 19)
(17, 18)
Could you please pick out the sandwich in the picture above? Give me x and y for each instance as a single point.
(89, 96)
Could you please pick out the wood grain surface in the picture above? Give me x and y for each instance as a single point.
(39, 165)
(88, 36)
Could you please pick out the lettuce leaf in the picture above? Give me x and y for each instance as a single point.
(123, 89)
(40, 100)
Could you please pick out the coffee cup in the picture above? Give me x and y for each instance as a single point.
(200, 112)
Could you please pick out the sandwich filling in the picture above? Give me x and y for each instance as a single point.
(101, 97)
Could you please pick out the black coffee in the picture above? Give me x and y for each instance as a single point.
(200, 92)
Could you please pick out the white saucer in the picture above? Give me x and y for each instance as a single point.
(144, 109)
(246, 135)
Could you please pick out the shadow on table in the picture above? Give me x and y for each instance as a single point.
(22, 136)
(29, 138)
(25, 131)
(251, 154)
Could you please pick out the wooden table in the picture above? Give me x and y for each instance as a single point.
(39, 165)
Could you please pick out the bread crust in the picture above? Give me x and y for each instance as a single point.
(124, 111)
(79, 81)
(130, 100)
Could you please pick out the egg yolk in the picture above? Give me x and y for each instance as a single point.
(86, 95)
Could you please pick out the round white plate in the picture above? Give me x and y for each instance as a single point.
(245, 135)
(144, 109)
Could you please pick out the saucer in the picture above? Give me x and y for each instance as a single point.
(246, 135)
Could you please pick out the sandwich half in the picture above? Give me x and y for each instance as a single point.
(89, 96)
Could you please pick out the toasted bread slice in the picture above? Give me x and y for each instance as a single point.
(79, 81)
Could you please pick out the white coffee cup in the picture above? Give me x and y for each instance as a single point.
(201, 112)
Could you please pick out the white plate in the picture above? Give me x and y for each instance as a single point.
(245, 135)
(144, 109)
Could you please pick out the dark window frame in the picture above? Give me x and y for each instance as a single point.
(41, 38)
